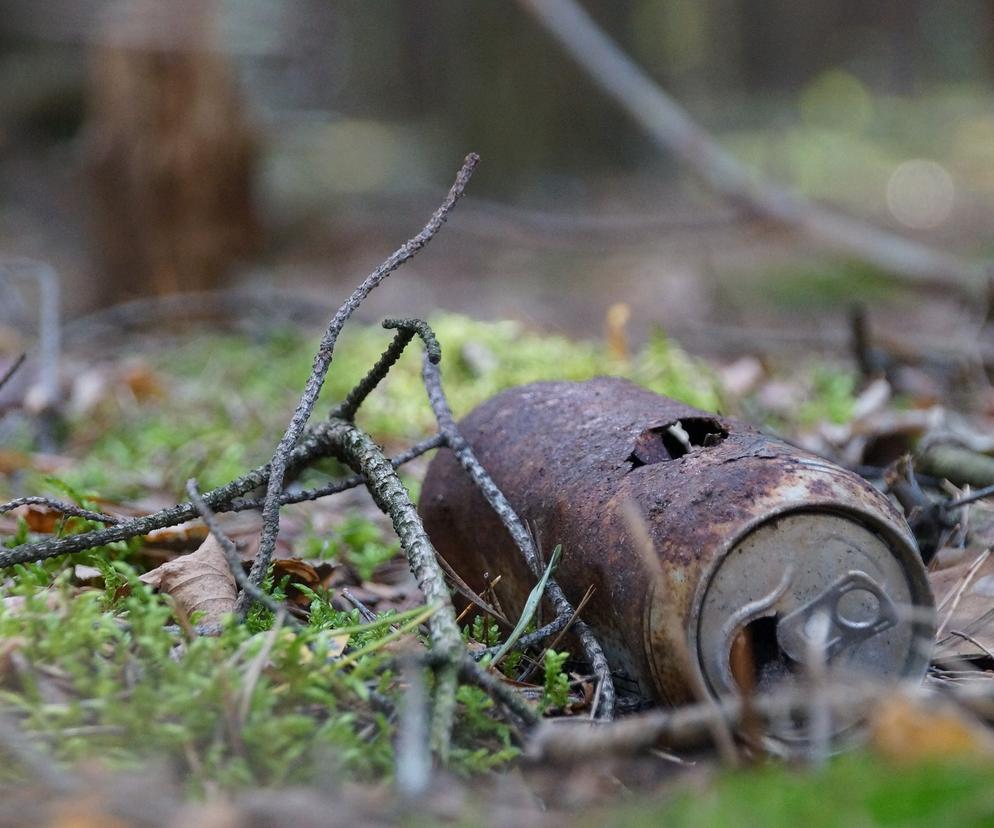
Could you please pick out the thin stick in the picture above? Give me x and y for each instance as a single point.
(555, 642)
(413, 752)
(973, 497)
(68, 509)
(12, 369)
(519, 533)
(407, 329)
(967, 580)
(364, 612)
(322, 362)
(234, 560)
(973, 641)
(356, 448)
(532, 638)
(241, 504)
(674, 131)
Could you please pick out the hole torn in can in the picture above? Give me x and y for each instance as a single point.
(673, 440)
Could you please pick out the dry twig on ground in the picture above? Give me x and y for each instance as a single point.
(322, 362)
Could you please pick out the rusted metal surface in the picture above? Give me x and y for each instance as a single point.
(747, 533)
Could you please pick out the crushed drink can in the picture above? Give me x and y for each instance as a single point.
(699, 534)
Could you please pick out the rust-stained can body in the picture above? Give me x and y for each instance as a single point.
(747, 534)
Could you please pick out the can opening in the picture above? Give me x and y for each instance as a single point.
(675, 439)
(756, 659)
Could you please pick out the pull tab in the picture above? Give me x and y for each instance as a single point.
(857, 609)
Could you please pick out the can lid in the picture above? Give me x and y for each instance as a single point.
(814, 584)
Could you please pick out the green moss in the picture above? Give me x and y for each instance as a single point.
(853, 790)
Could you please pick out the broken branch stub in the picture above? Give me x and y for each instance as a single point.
(746, 540)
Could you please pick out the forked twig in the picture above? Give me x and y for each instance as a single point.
(322, 362)
(341, 438)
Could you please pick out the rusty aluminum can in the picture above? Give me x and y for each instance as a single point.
(749, 537)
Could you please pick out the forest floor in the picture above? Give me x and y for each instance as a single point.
(118, 710)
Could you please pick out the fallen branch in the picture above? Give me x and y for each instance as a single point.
(693, 725)
(674, 131)
(956, 464)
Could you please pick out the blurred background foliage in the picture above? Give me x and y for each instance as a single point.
(147, 148)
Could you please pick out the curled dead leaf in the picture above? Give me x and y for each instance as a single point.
(198, 582)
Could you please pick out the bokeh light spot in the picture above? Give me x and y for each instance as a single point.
(920, 194)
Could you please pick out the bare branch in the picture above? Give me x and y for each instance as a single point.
(68, 509)
(312, 447)
(674, 131)
(322, 362)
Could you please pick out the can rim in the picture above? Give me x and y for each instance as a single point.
(900, 543)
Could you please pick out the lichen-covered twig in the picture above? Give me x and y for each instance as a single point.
(493, 684)
(226, 498)
(232, 557)
(357, 449)
(407, 329)
(322, 362)
(493, 495)
(67, 509)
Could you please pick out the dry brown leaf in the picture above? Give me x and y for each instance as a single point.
(41, 519)
(909, 732)
(972, 612)
(301, 574)
(15, 461)
(198, 582)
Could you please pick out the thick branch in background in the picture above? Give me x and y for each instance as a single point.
(674, 131)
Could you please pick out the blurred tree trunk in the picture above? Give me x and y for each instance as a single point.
(170, 156)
